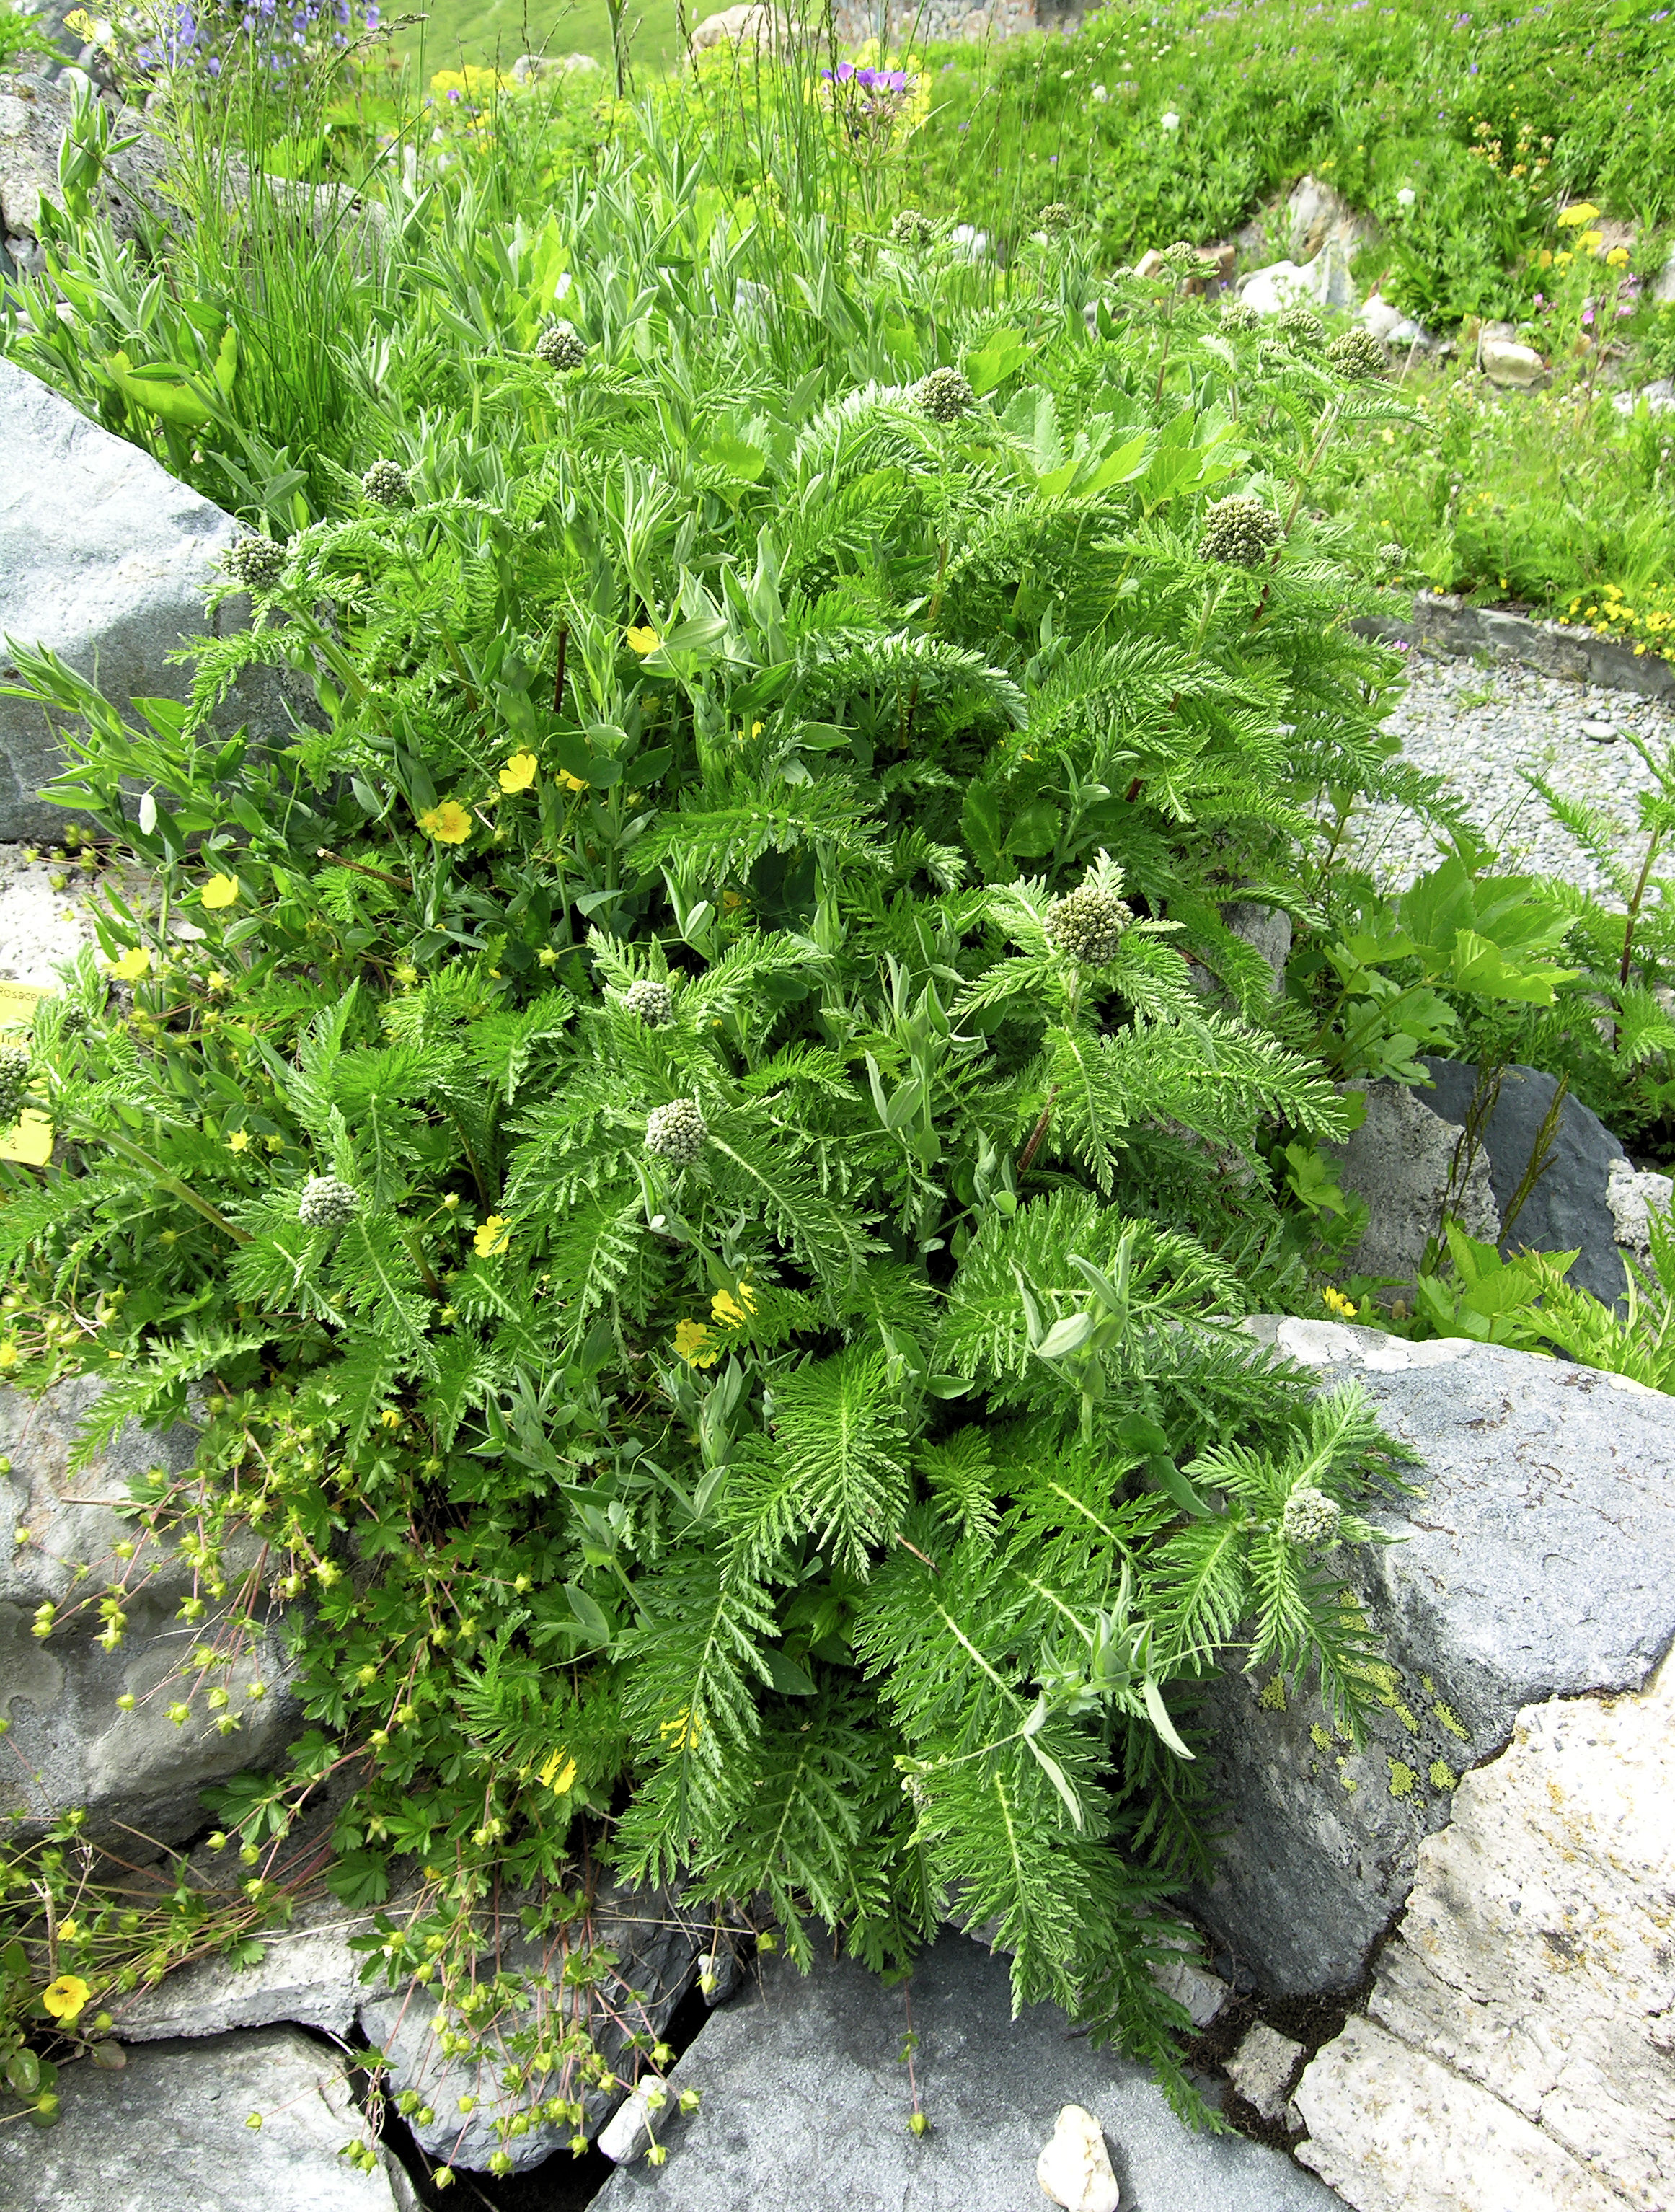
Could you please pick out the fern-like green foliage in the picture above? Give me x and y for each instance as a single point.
(772, 1389)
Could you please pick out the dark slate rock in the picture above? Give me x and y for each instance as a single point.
(1567, 1208)
(1537, 1561)
(806, 2105)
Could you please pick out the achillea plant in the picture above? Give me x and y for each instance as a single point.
(692, 1179)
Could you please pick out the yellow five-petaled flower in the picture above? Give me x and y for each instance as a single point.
(448, 824)
(643, 641)
(65, 1997)
(519, 772)
(493, 1237)
(219, 891)
(694, 1345)
(129, 966)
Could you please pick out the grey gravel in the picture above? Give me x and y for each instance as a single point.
(1481, 729)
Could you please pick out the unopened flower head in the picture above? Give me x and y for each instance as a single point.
(1182, 259)
(562, 345)
(14, 1080)
(1356, 356)
(256, 563)
(1301, 327)
(384, 483)
(676, 1133)
(1391, 556)
(1311, 1519)
(650, 1000)
(1056, 216)
(1241, 531)
(910, 228)
(946, 394)
(1087, 925)
(327, 1203)
(1239, 315)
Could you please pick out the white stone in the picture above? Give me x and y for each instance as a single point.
(1603, 733)
(630, 2128)
(1270, 291)
(751, 25)
(1074, 2168)
(40, 927)
(1663, 289)
(1631, 1193)
(1261, 2069)
(307, 1974)
(1504, 361)
(1390, 325)
(1391, 2130)
(1517, 2051)
(1659, 396)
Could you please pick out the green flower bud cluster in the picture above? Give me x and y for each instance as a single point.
(1301, 327)
(562, 345)
(1391, 556)
(385, 485)
(1087, 925)
(650, 1000)
(676, 1133)
(256, 563)
(327, 1203)
(1055, 216)
(1238, 315)
(1356, 356)
(1311, 1519)
(946, 394)
(14, 1080)
(1241, 531)
(912, 228)
(1182, 259)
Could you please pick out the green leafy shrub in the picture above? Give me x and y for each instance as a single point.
(692, 1131)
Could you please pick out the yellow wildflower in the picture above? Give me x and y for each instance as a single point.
(65, 1997)
(390, 1418)
(684, 1731)
(448, 824)
(1592, 239)
(572, 782)
(129, 966)
(560, 1773)
(1618, 258)
(692, 1342)
(219, 980)
(734, 1309)
(219, 891)
(9, 1356)
(1573, 218)
(70, 1931)
(1335, 1302)
(519, 772)
(239, 1141)
(493, 1237)
(643, 641)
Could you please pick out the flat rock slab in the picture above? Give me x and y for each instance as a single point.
(170, 2133)
(1537, 1561)
(806, 2105)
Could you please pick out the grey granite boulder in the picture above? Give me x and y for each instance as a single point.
(307, 1974)
(806, 2104)
(654, 1947)
(1398, 1161)
(103, 557)
(1568, 1208)
(34, 115)
(170, 2132)
(68, 1743)
(1537, 1560)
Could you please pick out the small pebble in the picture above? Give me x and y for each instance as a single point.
(1603, 733)
(1074, 2169)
